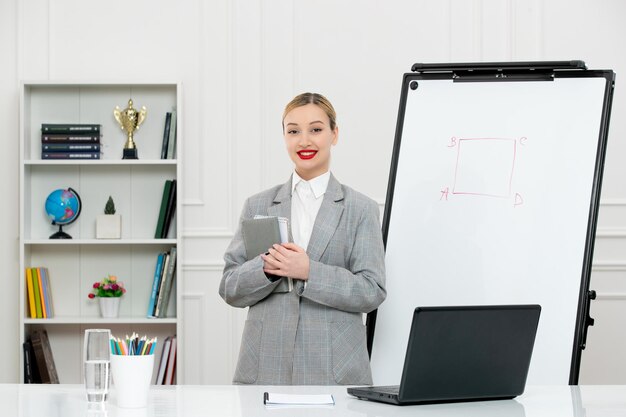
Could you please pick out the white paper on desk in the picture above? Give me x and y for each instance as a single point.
(274, 400)
(283, 227)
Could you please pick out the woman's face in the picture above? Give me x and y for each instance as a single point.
(308, 137)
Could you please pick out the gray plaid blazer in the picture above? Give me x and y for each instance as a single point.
(314, 334)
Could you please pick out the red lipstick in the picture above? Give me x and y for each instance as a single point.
(307, 154)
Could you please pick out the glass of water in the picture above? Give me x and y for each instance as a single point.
(97, 364)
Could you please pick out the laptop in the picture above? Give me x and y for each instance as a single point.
(463, 353)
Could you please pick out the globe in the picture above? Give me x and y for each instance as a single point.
(63, 207)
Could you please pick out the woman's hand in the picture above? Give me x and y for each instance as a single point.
(287, 260)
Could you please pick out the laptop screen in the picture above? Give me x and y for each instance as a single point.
(470, 352)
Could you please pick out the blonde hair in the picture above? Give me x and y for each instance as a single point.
(312, 98)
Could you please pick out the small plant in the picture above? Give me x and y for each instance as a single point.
(109, 207)
(108, 287)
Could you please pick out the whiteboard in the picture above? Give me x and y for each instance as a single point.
(491, 202)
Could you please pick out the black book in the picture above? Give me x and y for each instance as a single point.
(166, 135)
(31, 373)
(170, 210)
(70, 155)
(70, 138)
(75, 147)
(158, 234)
(73, 128)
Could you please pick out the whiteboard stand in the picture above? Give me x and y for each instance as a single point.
(493, 198)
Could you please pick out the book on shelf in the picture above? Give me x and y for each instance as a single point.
(170, 210)
(164, 268)
(165, 353)
(171, 143)
(47, 291)
(70, 147)
(36, 295)
(38, 292)
(166, 135)
(156, 280)
(65, 128)
(28, 370)
(42, 295)
(165, 290)
(43, 357)
(162, 209)
(170, 371)
(31, 372)
(30, 292)
(165, 201)
(70, 155)
(70, 138)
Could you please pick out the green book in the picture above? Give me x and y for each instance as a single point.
(35, 276)
(163, 209)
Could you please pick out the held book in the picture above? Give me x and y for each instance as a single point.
(260, 233)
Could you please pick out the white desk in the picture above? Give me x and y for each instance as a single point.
(225, 401)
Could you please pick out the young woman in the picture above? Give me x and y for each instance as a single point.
(310, 333)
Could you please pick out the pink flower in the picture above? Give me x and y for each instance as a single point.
(107, 287)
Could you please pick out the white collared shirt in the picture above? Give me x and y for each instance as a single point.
(306, 200)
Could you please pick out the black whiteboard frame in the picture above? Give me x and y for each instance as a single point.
(517, 71)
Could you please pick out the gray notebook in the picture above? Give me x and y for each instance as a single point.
(259, 234)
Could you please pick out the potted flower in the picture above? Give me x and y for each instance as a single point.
(109, 224)
(109, 291)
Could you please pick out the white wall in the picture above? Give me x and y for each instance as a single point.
(240, 61)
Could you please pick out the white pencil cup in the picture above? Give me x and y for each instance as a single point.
(131, 377)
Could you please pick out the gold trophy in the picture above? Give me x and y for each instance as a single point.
(129, 120)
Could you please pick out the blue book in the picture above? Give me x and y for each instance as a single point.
(155, 284)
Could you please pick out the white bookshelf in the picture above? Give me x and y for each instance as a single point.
(136, 187)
